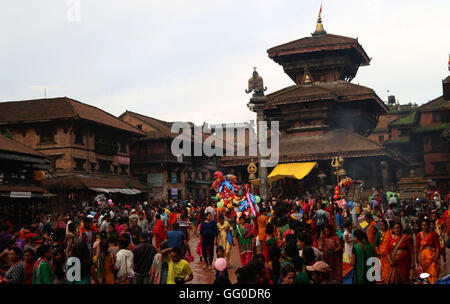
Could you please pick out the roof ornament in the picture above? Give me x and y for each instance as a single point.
(255, 84)
(319, 26)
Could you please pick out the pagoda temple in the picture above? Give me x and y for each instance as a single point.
(324, 117)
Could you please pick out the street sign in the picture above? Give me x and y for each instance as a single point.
(155, 179)
(123, 160)
(17, 194)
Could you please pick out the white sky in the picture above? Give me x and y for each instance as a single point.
(190, 60)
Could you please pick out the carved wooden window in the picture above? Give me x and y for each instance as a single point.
(123, 145)
(404, 132)
(79, 164)
(46, 135)
(79, 134)
(104, 166)
(439, 166)
(436, 117)
(124, 169)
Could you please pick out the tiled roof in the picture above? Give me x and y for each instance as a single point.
(39, 110)
(10, 145)
(307, 148)
(163, 127)
(83, 182)
(338, 90)
(319, 43)
(7, 188)
(435, 104)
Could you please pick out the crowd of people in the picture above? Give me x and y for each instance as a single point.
(289, 241)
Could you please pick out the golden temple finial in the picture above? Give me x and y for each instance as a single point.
(319, 26)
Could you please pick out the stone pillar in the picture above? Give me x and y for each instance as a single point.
(263, 180)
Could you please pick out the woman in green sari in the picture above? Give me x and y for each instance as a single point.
(283, 227)
(362, 251)
(43, 271)
(244, 236)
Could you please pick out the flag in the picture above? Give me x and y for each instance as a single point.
(320, 11)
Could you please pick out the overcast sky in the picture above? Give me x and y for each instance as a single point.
(190, 60)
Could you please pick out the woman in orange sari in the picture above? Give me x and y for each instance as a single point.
(400, 257)
(382, 250)
(427, 251)
(371, 230)
(440, 230)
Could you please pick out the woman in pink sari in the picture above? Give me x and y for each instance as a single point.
(332, 252)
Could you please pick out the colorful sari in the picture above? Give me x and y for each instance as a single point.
(383, 254)
(244, 238)
(262, 221)
(428, 248)
(361, 256)
(222, 238)
(268, 241)
(43, 272)
(283, 229)
(333, 259)
(154, 276)
(372, 233)
(400, 249)
(440, 227)
(159, 232)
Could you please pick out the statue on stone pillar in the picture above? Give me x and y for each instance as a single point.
(256, 84)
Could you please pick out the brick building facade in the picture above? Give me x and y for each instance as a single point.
(89, 147)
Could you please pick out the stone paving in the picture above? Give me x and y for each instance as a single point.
(203, 275)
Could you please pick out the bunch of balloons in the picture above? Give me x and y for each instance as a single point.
(230, 195)
(336, 192)
(104, 204)
(344, 183)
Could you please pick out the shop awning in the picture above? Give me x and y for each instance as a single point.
(289, 170)
(117, 190)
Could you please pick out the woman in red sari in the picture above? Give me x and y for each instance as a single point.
(400, 256)
(159, 231)
(427, 251)
(332, 252)
(382, 250)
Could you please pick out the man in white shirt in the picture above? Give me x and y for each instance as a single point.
(100, 219)
(105, 223)
(322, 219)
(124, 262)
(211, 209)
(392, 200)
(390, 216)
